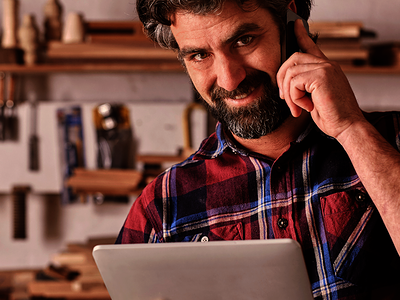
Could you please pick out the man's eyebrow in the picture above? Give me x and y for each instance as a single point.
(182, 53)
(241, 30)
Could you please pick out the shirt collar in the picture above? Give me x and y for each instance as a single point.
(222, 141)
(213, 146)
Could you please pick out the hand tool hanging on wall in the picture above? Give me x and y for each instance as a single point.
(114, 137)
(19, 194)
(33, 138)
(10, 113)
(188, 148)
(2, 104)
(71, 139)
(114, 142)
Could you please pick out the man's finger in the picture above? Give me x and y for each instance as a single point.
(306, 44)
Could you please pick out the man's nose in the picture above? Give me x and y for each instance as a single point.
(230, 72)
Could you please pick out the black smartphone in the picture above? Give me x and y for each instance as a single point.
(289, 41)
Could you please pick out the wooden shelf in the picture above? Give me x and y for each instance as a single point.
(395, 70)
(159, 66)
(140, 66)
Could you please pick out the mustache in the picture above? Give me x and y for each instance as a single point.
(246, 86)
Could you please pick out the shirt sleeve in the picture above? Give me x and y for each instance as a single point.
(142, 222)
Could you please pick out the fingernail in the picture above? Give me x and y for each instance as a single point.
(280, 94)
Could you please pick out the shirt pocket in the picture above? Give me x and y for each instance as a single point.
(346, 216)
(218, 232)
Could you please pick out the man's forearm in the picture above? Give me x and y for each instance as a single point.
(377, 164)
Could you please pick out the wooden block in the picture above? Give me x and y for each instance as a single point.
(11, 56)
(62, 259)
(20, 279)
(336, 29)
(19, 295)
(59, 50)
(5, 280)
(107, 182)
(345, 54)
(79, 286)
(115, 32)
(65, 290)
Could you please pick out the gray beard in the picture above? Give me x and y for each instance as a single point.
(258, 119)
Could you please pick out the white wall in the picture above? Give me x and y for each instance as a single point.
(155, 101)
(374, 92)
(381, 16)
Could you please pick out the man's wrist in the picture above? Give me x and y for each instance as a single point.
(357, 132)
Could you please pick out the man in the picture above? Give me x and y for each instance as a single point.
(292, 157)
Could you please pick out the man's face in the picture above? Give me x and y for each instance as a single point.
(232, 58)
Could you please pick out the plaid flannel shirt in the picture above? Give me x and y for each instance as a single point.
(311, 194)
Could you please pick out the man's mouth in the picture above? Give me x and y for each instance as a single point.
(251, 87)
(244, 95)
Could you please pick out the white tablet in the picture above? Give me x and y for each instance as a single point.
(231, 270)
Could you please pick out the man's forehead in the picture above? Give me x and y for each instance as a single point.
(182, 19)
(250, 5)
(227, 19)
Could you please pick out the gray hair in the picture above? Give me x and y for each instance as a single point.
(155, 14)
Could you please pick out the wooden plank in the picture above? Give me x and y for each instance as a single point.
(65, 290)
(107, 182)
(62, 259)
(369, 70)
(345, 54)
(336, 29)
(59, 50)
(128, 66)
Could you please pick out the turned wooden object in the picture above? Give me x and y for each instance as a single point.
(28, 35)
(52, 20)
(10, 22)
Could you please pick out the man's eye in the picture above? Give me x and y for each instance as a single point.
(199, 57)
(243, 41)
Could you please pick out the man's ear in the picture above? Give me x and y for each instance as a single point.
(292, 6)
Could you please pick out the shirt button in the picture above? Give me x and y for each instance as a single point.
(204, 239)
(361, 197)
(283, 223)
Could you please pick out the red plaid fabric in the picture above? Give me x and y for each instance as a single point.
(311, 194)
